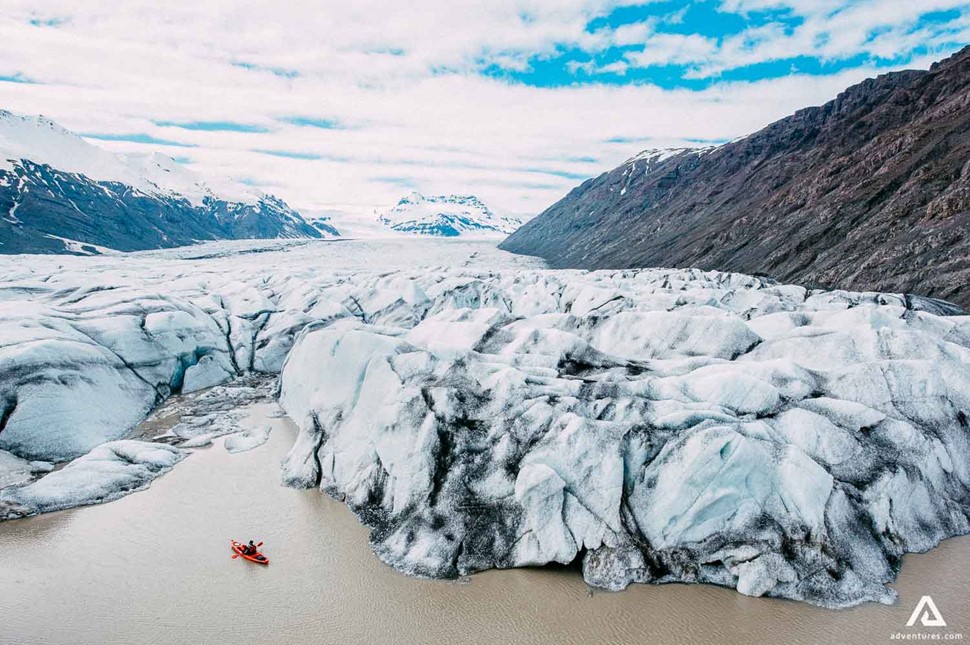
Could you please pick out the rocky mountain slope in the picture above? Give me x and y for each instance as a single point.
(60, 194)
(870, 191)
(446, 216)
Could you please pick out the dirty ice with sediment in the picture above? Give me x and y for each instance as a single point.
(477, 410)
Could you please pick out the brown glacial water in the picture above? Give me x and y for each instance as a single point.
(154, 567)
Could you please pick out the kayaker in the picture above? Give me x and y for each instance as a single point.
(250, 549)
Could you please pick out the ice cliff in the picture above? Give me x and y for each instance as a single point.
(661, 426)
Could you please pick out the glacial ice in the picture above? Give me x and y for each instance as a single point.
(655, 425)
(15, 471)
(246, 440)
(677, 444)
(110, 471)
(203, 416)
(538, 438)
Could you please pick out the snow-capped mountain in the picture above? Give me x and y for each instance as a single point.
(446, 216)
(61, 194)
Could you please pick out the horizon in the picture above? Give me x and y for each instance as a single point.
(367, 109)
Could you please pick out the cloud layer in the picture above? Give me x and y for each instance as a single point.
(348, 105)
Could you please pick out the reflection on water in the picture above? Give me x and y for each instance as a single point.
(154, 567)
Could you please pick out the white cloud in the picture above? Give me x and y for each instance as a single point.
(829, 30)
(673, 49)
(400, 78)
(635, 33)
(834, 30)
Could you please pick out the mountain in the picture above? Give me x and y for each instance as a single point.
(324, 225)
(61, 194)
(446, 216)
(870, 191)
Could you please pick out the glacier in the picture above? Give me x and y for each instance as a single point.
(652, 426)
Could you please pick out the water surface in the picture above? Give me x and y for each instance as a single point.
(154, 567)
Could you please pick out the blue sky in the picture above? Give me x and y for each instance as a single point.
(344, 106)
(682, 39)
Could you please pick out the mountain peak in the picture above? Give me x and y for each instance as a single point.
(42, 141)
(957, 58)
(656, 155)
(414, 197)
(446, 216)
(55, 184)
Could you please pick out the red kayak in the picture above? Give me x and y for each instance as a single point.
(257, 557)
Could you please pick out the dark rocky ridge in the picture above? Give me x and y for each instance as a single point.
(870, 191)
(38, 201)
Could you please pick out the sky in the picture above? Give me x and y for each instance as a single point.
(346, 106)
